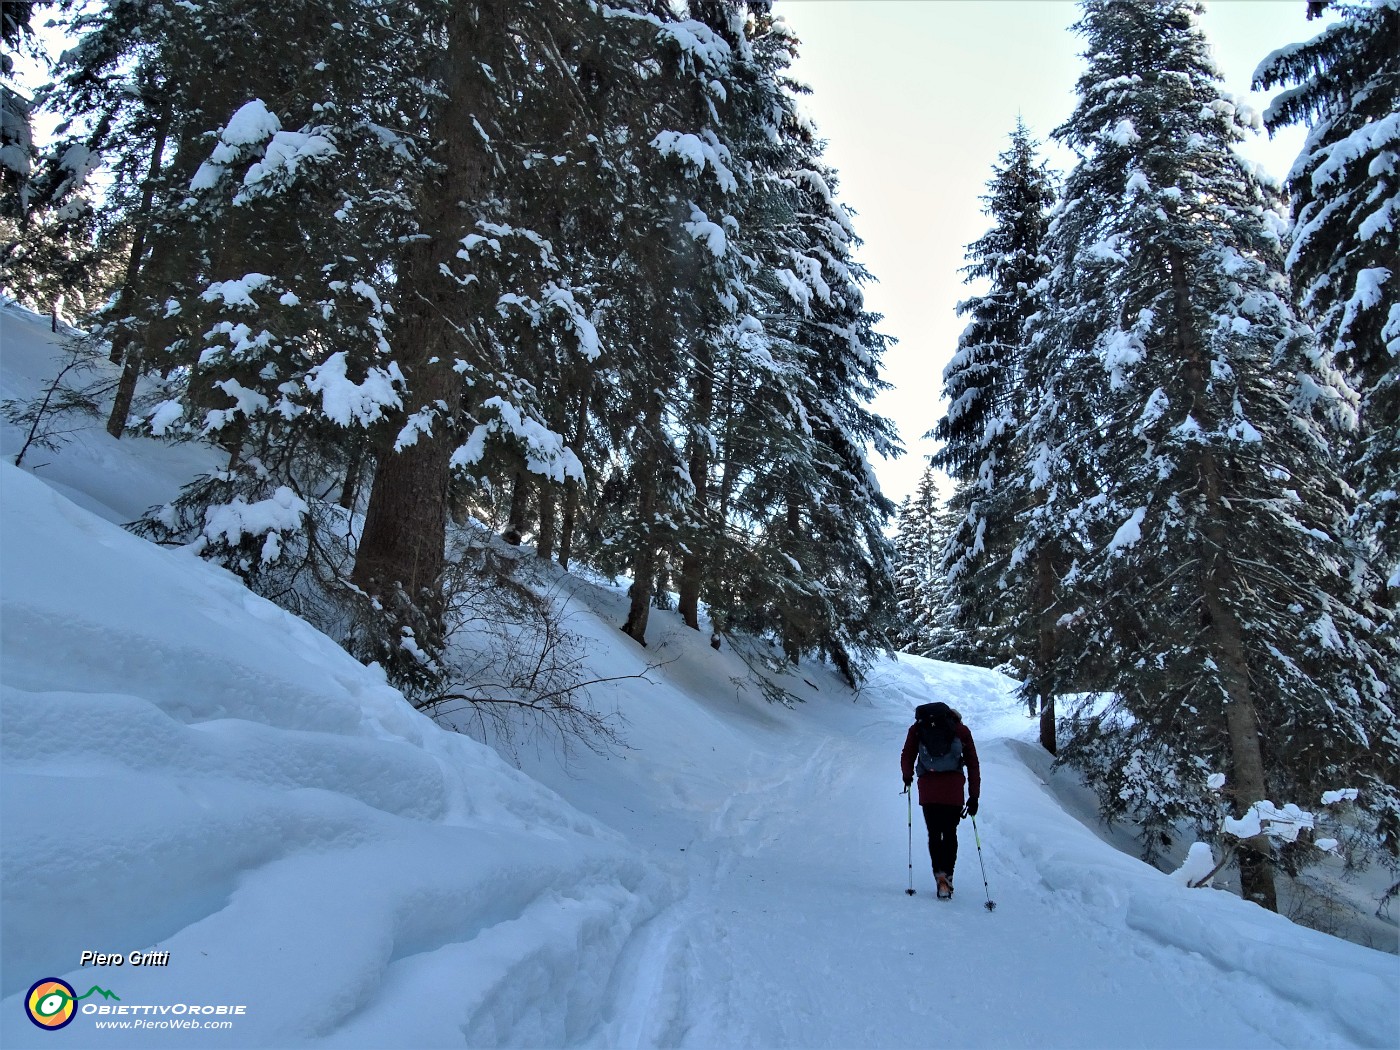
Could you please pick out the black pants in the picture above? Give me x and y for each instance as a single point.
(942, 824)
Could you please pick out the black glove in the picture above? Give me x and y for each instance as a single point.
(972, 807)
(907, 782)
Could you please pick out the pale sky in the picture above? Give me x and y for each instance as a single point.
(916, 98)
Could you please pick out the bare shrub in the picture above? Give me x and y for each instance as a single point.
(511, 668)
(67, 405)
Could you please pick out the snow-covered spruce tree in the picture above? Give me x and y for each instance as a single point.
(646, 239)
(367, 283)
(742, 279)
(683, 302)
(1184, 441)
(986, 389)
(16, 128)
(695, 277)
(368, 263)
(928, 624)
(917, 566)
(945, 637)
(266, 235)
(122, 90)
(724, 393)
(750, 109)
(149, 88)
(413, 394)
(51, 254)
(1344, 251)
(820, 577)
(62, 251)
(61, 257)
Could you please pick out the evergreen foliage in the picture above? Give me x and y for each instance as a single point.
(1182, 453)
(16, 130)
(576, 269)
(986, 387)
(917, 565)
(52, 248)
(928, 621)
(1344, 250)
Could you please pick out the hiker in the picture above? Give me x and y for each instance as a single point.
(938, 748)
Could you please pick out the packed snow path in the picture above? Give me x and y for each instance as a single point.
(796, 930)
(189, 769)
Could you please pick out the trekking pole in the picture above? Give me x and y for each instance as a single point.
(910, 798)
(991, 905)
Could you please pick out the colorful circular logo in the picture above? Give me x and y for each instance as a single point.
(51, 1003)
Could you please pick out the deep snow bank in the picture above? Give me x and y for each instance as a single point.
(188, 768)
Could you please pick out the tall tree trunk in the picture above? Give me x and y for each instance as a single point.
(792, 636)
(661, 586)
(694, 560)
(1222, 626)
(1241, 716)
(405, 529)
(571, 485)
(405, 533)
(125, 351)
(644, 557)
(1251, 785)
(548, 489)
(127, 292)
(519, 499)
(568, 521)
(126, 386)
(727, 480)
(1045, 648)
(350, 488)
(544, 538)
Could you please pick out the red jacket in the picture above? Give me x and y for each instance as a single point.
(943, 788)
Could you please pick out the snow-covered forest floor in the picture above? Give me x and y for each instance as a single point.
(189, 769)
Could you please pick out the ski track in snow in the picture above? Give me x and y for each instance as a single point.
(188, 767)
(794, 929)
(803, 935)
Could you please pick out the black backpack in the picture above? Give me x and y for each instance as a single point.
(940, 749)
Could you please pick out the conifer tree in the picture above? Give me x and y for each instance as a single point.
(929, 624)
(52, 254)
(16, 130)
(1344, 250)
(691, 267)
(811, 487)
(945, 634)
(986, 388)
(417, 285)
(1182, 445)
(775, 522)
(917, 567)
(515, 254)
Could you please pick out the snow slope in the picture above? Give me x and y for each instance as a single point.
(187, 768)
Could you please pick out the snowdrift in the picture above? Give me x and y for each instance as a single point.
(189, 768)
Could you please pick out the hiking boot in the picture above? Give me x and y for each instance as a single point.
(945, 886)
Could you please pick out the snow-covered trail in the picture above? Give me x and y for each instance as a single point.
(814, 942)
(803, 936)
(794, 929)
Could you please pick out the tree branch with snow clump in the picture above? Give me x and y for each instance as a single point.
(232, 522)
(1281, 825)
